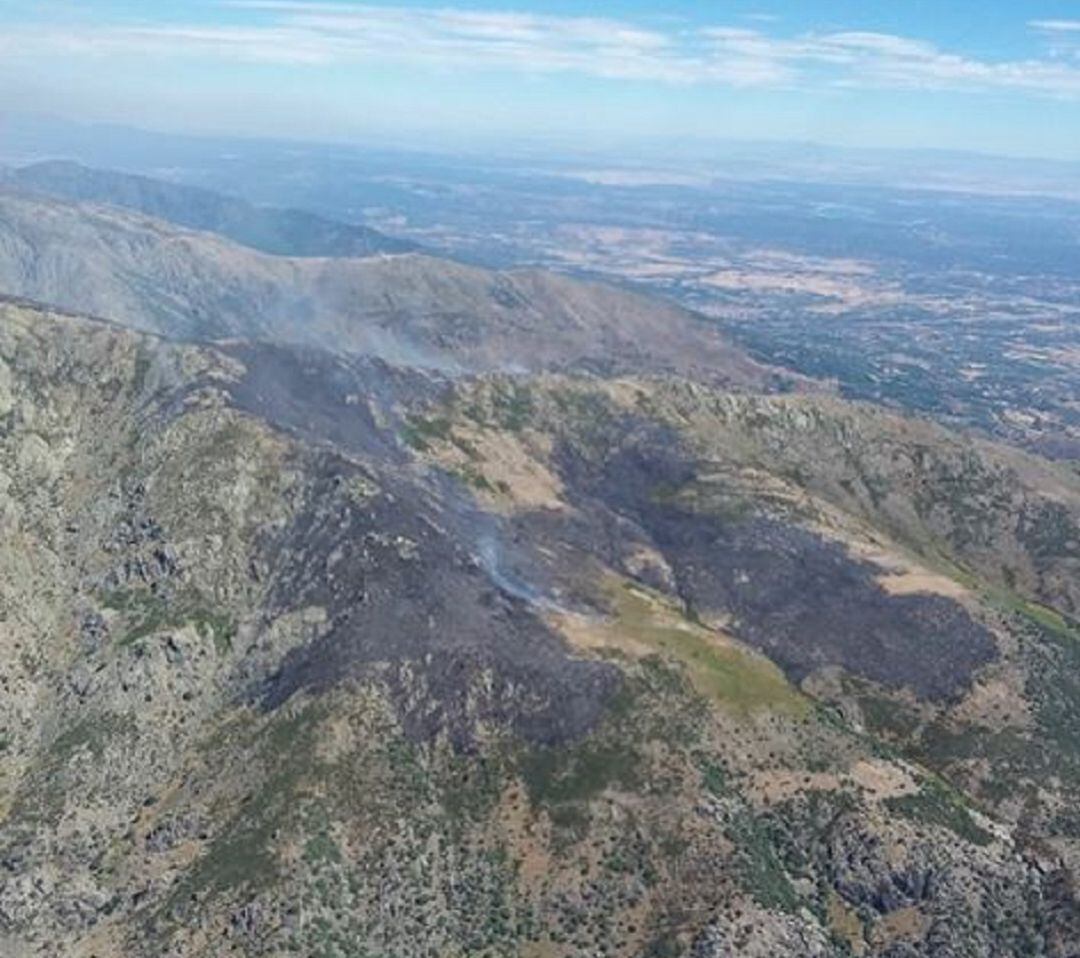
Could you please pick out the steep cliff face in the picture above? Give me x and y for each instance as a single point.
(312, 654)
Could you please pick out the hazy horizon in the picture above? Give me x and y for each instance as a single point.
(436, 141)
(984, 78)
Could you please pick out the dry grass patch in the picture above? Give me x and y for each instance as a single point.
(644, 623)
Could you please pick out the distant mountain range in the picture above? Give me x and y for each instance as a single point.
(28, 137)
(282, 232)
(410, 308)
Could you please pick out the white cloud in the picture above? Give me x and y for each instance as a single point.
(463, 38)
(293, 32)
(860, 59)
(1062, 37)
(1055, 26)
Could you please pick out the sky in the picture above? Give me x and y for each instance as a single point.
(995, 76)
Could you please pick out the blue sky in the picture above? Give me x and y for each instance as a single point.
(988, 75)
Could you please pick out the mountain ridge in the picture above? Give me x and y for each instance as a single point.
(282, 232)
(419, 664)
(408, 308)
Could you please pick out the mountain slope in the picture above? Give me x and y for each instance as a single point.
(281, 232)
(920, 582)
(411, 309)
(308, 654)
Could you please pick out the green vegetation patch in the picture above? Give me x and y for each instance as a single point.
(420, 432)
(147, 613)
(243, 853)
(1050, 620)
(761, 869)
(320, 845)
(557, 776)
(1010, 602)
(141, 370)
(42, 793)
(938, 804)
(1053, 688)
(1050, 648)
(93, 733)
(513, 405)
(884, 715)
(471, 786)
(590, 417)
(724, 673)
(714, 777)
(470, 475)
(564, 780)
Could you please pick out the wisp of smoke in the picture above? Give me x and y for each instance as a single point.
(489, 554)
